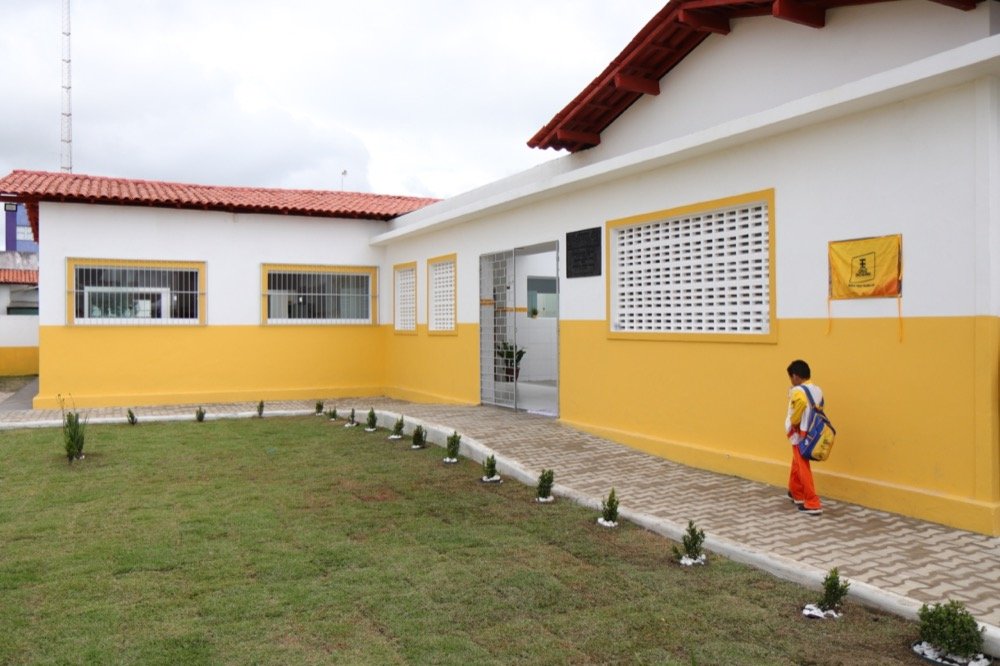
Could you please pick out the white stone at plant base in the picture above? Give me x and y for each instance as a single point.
(450, 461)
(545, 500)
(688, 561)
(812, 610)
(928, 651)
(607, 523)
(370, 429)
(395, 437)
(491, 479)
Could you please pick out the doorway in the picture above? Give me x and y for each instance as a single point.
(519, 328)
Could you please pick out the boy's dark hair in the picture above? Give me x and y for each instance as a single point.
(799, 368)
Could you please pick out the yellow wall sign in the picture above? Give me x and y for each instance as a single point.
(867, 267)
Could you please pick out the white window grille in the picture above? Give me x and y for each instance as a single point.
(318, 296)
(707, 272)
(441, 316)
(112, 293)
(405, 315)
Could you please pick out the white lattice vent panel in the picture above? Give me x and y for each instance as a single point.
(442, 296)
(704, 273)
(406, 299)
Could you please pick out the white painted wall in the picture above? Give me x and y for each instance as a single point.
(663, 127)
(764, 62)
(233, 247)
(16, 330)
(913, 167)
(538, 337)
(19, 330)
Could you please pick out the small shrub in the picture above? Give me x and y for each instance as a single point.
(452, 446)
(319, 407)
(74, 433)
(834, 591)
(199, 415)
(397, 429)
(692, 540)
(352, 420)
(332, 413)
(609, 508)
(419, 438)
(132, 420)
(545, 481)
(372, 420)
(951, 628)
(490, 467)
(260, 409)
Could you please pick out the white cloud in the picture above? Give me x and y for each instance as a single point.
(426, 98)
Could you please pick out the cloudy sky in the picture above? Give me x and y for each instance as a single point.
(420, 97)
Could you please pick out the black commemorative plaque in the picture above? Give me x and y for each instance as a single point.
(583, 253)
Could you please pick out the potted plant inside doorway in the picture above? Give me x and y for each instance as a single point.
(508, 362)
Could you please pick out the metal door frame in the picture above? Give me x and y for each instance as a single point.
(498, 321)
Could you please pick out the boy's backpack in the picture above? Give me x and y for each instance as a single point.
(819, 435)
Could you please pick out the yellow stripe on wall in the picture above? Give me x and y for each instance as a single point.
(100, 366)
(433, 368)
(916, 420)
(18, 361)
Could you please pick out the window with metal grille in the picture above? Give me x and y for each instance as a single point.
(133, 292)
(405, 306)
(701, 272)
(441, 294)
(318, 295)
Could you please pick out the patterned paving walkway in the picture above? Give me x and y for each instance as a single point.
(893, 557)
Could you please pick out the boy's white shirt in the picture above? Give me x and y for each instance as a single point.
(794, 436)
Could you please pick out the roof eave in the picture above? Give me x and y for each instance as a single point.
(669, 37)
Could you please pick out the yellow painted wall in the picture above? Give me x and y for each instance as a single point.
(18, 361)
(433, 368)
(140, 365)
(916, 420)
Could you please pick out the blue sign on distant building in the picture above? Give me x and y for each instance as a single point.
(17, 236)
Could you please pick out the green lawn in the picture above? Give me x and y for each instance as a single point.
(295, 540)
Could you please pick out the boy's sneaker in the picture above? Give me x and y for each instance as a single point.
(795, 501)
(810, 512)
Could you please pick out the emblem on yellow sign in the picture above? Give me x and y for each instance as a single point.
(866, 267)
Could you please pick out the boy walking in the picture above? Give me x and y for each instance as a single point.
(801, 489)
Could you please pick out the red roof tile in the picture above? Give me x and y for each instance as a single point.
(18, 276)
(35, 186)
(665, 41)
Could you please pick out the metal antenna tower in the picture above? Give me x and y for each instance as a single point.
(67, 109)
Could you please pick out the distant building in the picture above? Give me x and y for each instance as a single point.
(18, 294)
